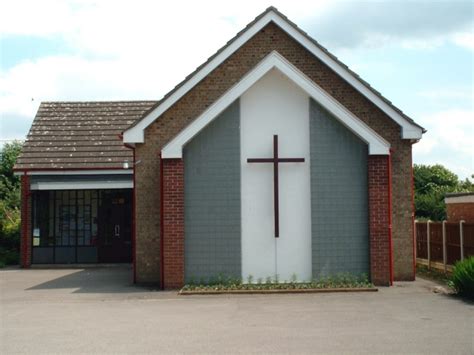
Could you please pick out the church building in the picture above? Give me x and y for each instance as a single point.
(272, 159)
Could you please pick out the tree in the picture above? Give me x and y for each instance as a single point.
(9, 183)
(432, 183)
(9, 204)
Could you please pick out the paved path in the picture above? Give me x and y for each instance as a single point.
(99, 311)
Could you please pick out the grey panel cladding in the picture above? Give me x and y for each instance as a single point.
(212, 225)
(339, 196)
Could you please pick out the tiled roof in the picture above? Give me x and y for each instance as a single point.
(76, 135)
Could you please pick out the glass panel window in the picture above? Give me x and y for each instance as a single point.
(65, 218)
(87, 197)
(94, 218)
(41, 222)
(68, 222)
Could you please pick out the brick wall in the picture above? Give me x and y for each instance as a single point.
(211, 88)
(378, 173)
(460, 211)
(25, 241)
(173, 223)
(147, 213)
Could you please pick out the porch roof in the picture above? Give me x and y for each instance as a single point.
(78, 135)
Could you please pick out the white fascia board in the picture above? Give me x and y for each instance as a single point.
(77, 172)
(377, 145)
(83, 185)
(136, 134)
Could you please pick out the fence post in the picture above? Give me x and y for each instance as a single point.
(445, 256)
(461, 238)
(428, 243)
(416, 238)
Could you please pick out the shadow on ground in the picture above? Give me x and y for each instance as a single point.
(465, 299)
(116, 279)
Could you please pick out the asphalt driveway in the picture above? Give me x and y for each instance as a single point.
(99, 311)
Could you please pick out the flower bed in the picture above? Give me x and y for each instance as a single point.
(339, 283)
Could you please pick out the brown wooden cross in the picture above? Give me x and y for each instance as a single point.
(275, 161)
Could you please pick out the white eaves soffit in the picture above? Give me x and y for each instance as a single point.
(377, 145)
(136, 134)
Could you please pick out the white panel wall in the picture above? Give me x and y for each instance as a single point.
(274, 105)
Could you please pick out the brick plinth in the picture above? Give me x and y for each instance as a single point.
(379, 219)
(173, 223)
(25, 242)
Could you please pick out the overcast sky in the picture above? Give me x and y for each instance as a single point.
(418, 54)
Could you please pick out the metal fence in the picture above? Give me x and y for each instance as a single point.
(444, 242)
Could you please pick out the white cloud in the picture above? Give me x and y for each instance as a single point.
(426, 145)
(120, 49)
(37, 18)
(463, 93)
(449, 141)
(465, 39)
(409, 24)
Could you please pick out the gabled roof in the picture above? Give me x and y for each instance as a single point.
(78, 135)
(409, 129)
(377, 145)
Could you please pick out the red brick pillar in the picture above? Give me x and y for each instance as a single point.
(25, 241)
(173, 223)
(380, 219)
